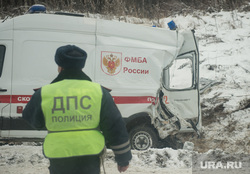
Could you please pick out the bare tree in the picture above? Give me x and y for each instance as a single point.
(153, 9)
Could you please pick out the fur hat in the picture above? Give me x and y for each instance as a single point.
(70, 57)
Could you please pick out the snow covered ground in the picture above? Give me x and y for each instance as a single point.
(224, 42)
(27, 159)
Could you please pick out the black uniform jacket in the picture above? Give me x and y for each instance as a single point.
(111, 122)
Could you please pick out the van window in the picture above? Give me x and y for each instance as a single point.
(181, 74)
(2, 54)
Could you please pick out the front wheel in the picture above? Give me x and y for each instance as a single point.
(143, 137)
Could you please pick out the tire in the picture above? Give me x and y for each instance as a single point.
(143, 137)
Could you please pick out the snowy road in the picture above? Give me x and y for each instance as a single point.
(26, 159)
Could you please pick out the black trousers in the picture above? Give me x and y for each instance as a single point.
(75, 165)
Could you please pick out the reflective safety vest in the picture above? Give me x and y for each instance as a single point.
(71, 110)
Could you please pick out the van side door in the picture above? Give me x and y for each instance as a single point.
(5, 83)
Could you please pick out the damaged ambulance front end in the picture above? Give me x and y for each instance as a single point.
(177, 104)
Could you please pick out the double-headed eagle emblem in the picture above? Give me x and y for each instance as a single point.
(111, 62)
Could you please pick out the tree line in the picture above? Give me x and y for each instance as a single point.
(152, 9)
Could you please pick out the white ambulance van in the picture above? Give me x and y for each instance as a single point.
(153, 73)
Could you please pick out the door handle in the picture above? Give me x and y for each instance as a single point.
(3, 90)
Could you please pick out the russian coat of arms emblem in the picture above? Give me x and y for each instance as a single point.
(111, 62)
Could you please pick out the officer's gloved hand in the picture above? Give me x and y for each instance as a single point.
(122, 168)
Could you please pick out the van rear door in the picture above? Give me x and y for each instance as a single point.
(5, 84)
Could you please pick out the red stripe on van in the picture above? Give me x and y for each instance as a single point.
(133, 99)
(20, 98)
(15, 98)
(4, 98)
(117, 99)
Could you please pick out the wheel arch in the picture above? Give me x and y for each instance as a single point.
(138, 119)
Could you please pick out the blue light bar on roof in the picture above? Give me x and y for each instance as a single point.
(172, 25)
(37, 9)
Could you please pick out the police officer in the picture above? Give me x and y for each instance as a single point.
(80, 116)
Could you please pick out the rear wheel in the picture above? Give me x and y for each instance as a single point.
(143, 137)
